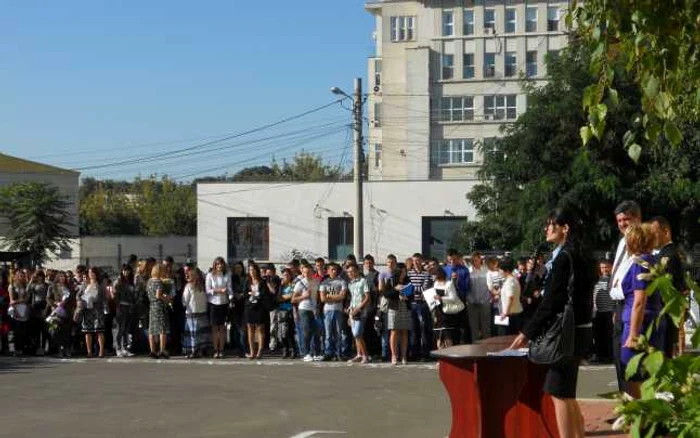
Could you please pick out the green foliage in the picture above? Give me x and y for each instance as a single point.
(37, 217)
(540, 164)
(671, 392)
(152, 207)
(305, 166)
(657, 42)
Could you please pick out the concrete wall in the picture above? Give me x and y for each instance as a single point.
(298, 214)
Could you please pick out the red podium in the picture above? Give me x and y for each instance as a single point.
(495, 396)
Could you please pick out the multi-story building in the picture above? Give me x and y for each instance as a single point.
(443, 81)
(446, 76)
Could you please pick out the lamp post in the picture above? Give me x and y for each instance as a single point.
(358, 228)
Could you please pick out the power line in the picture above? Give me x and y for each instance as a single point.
(209, 143)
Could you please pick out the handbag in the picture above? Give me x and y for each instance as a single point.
(557, 342)
(452, 307)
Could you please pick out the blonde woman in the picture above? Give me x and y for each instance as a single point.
(141, 307)
(158, 315)
(196, 339)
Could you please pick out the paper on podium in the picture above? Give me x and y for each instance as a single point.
(498, 320)
(521, 352)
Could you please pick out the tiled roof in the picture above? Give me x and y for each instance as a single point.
(9, 164)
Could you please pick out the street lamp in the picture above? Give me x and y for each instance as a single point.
(358, 229)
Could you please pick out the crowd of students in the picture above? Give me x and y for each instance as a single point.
(325, 311)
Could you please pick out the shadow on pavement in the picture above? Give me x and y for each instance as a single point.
(21, 364)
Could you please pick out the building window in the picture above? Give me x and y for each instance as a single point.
(552, 18)
(403, 28)
(490, 148)
(340, 237)
(448, 23)
(439, 234)
(531, 19)
(500, 107)
(455, 151)
(468, 25)
(511, 62)
(455, 109)
(377, 155)
(489, 20)
(377, 72)
(489, 65)
(531, 64)
(468, 61)
(510, 20)
(448, 67)
(248, 238)
(377, 116)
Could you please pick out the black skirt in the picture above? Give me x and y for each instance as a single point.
(217, 314)
(254, 313)
(562, 379)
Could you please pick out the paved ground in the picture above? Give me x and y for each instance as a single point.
(233, 398)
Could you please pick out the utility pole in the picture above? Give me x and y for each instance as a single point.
(358, 226)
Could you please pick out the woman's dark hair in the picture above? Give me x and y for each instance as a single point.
(440, 274)
(256, 269)
(562, 217)
(507, 264)
(588, 270)
(95, 270)
(129, 278)
(238, 264)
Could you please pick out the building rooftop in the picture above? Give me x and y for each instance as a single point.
(10, 164)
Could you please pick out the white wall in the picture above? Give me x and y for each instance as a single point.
(393, 213)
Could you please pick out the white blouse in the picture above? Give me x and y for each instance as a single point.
(217, 281)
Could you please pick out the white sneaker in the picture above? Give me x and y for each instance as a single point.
(128, 353)
(318, 358)
(308, 358)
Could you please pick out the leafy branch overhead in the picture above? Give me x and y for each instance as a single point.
(656, 44)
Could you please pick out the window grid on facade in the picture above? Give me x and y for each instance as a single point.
(510, 20)
(468, 25)
(531, 64)
(402, 28)
(377, 72)
(340, 237)
(455, 109)
(455, 151)
(490, 19)
(448, 67)
(531, 19)
(377, 116)
(489, 65)
(248, 238)
(510, 64)
(448, 23)
(468, 61)
(552, 18)
(500, 107)
(377, 155)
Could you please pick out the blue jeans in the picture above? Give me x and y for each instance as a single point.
(334, 324)
(385, 336)
(422, 329)
(307, 332)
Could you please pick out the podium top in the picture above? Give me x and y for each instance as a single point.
(477, 351)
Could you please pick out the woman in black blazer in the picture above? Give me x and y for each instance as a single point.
(563, 230)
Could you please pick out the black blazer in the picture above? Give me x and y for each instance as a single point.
(674, 266)
(556, 292)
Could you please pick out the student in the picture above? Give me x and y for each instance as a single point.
(333, 292)
(479, 300)
(196, 339)
(511, 307)
(421, 318)
(256, 306)
(603, 309)
(285, 317)
(398, 316)
(92, 305)
(158, 323)
(306, 296)
(124, 299)
(218, 287)
(357, 312)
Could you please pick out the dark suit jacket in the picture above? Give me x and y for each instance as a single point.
(556, 292)
(674, 265)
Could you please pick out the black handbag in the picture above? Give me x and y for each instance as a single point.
(556, 343)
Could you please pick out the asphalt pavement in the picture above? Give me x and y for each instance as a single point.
(230, 398)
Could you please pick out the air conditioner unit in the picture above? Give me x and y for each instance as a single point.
(489, 31)
(488, 116)
(375, 123)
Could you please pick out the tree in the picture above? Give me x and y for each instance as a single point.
(165, 207)
(659, 43)
(540, 164)
(38, 219)
(105, 212)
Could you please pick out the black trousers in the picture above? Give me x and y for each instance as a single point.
(603, 336)
(616, 347)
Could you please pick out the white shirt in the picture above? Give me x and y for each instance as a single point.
(312, 287)
(511, 288)
(193, 300)
(623, 263)
(217, 281)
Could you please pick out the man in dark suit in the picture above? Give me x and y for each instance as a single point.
(674, 266)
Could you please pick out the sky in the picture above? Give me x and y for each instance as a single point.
(90, 84)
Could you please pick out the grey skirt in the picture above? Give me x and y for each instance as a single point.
(399, 318)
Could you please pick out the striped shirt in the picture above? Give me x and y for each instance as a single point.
(421, 280)
(602, 302)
